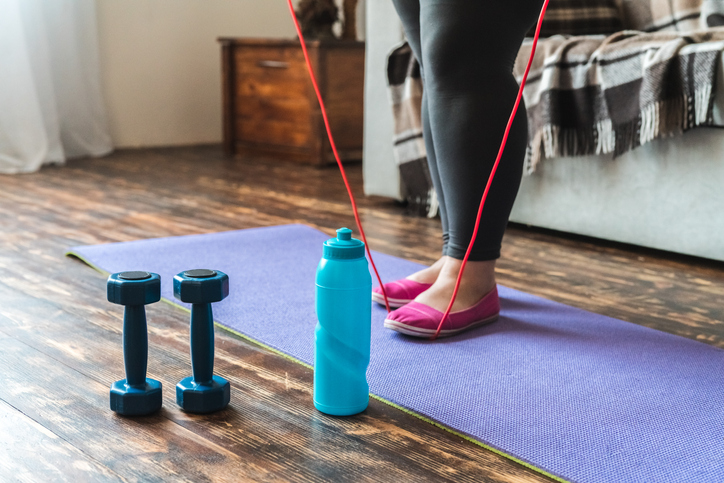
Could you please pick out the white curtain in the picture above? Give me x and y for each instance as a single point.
(51, 107)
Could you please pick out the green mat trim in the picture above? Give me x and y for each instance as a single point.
(374, 396)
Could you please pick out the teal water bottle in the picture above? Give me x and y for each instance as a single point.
(342, 336)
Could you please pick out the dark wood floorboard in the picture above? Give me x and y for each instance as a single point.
(60, 340)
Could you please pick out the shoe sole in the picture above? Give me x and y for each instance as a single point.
(427, 333)
(394, 303)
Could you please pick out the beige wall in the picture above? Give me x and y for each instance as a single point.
(160, 64)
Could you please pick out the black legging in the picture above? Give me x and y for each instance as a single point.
(466, 49)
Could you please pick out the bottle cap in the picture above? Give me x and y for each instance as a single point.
(344, 247)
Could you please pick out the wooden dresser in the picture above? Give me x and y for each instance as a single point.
(270, 108)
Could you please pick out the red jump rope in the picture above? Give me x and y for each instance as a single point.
(487, 186)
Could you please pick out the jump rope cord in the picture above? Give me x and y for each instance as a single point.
(487, 186)
(334, 149)
(492, 172)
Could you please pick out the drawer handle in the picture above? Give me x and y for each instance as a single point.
(273, 64)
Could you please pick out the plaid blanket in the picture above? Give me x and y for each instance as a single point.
(595, 95)
(403, 75)
(585, 95)
(580, 17)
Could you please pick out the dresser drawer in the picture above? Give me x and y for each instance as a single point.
(272, 99)
(274, 73)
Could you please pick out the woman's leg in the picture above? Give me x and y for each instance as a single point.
(468, 48)
(430, 274)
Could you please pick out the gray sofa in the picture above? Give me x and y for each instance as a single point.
(668, 194)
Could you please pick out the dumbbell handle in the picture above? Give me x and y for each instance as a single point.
(202, 343)
(135, 345)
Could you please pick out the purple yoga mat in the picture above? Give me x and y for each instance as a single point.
(576, 395)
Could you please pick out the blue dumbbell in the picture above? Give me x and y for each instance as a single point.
(135, 395)
(203, 392)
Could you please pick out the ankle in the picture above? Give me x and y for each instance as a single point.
(478, 278)
(429, 274)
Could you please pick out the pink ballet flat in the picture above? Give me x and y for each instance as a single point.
(399, 292)
(420, 320)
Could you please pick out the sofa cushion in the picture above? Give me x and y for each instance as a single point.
(580, 17)
(712, 12)
(671, 16)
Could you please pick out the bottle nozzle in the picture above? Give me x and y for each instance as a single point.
(344, 247)
(344, 234)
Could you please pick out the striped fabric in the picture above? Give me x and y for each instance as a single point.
(405, 88)
(580, 17)
(609, 95)
(585, 95)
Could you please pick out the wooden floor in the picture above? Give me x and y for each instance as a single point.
(60, 340)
